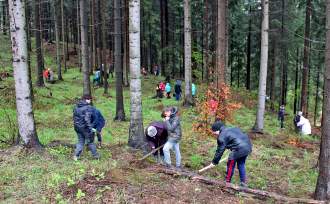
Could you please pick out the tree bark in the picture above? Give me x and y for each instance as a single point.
(126, 46)
(221, 66)
(259, 125)
(25, 115)
(57, 39)
(136, 133)
(188, 100)
(104, 47)
(206, 41)
(63, 36)
(78, 37)
(322, 191)
(273, 77)
(40, 65)
(120, 112)
(248, 55)
(317, 94)
(84, 47)
(304, 88)
(296, 84)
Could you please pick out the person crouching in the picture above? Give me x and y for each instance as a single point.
(156, 135)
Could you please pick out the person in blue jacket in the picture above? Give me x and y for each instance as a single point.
(239, 144)
(83, 115)
(99, 124)
(193, 90)
(168, 90)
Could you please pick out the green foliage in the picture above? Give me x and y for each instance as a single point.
(80, 194)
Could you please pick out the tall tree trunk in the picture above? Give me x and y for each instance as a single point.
(295, 101)
(317, 94)
(206, 41)
(57, 39)
(25, 116)
(120, 113)
(273, 77)
(63, 36)
(78, 38)
(221, 43)
(84, 47)
(104, 47)
(4, 19)
(322, 191)
(93, 37)
(259, 125)
(40, 65)
(248, 53)
(98, 36)
(126, 46)
(188, 100)
(163, 35)
(136, 133)
(304, 88)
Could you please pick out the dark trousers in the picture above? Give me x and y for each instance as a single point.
(82, 138)
(282, 122)
(99, 137)
(177, 96)
(231, 168)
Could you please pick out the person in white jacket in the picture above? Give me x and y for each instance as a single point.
(304, 124)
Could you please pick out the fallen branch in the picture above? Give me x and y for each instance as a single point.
(258, 194)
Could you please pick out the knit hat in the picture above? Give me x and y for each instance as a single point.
(217, 126)
(152, 131)
(300, 113)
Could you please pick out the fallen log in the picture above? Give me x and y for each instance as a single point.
(257, 194)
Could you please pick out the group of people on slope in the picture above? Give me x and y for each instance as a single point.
(165, 90)
(169, 134)
(301, 124)
(89, 121)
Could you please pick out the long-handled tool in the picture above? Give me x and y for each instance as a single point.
(211, 165)
(150, 153)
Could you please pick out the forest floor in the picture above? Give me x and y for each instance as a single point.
(281, 161)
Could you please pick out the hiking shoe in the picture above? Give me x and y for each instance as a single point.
(75, 158)
(97, 157)
(99, 145)
(244, 185)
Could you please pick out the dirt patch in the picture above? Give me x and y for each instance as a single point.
(156, 189)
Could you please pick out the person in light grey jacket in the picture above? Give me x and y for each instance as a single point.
(173, 126)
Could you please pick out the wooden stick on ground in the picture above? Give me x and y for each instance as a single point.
(257, 194)
(150, 153)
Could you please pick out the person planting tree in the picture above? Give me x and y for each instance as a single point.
(239, 144)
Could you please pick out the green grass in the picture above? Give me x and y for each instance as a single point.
(39, 177)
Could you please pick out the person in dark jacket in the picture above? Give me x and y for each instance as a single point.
(156, 135)
(281, 114)
(177, 90)
(99, 124)
(239, 144)
(173, 126)
(83, 115)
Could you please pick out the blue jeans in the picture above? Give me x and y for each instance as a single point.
(167, 155)
(177, 96)
(231, 168)
(82, 138)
